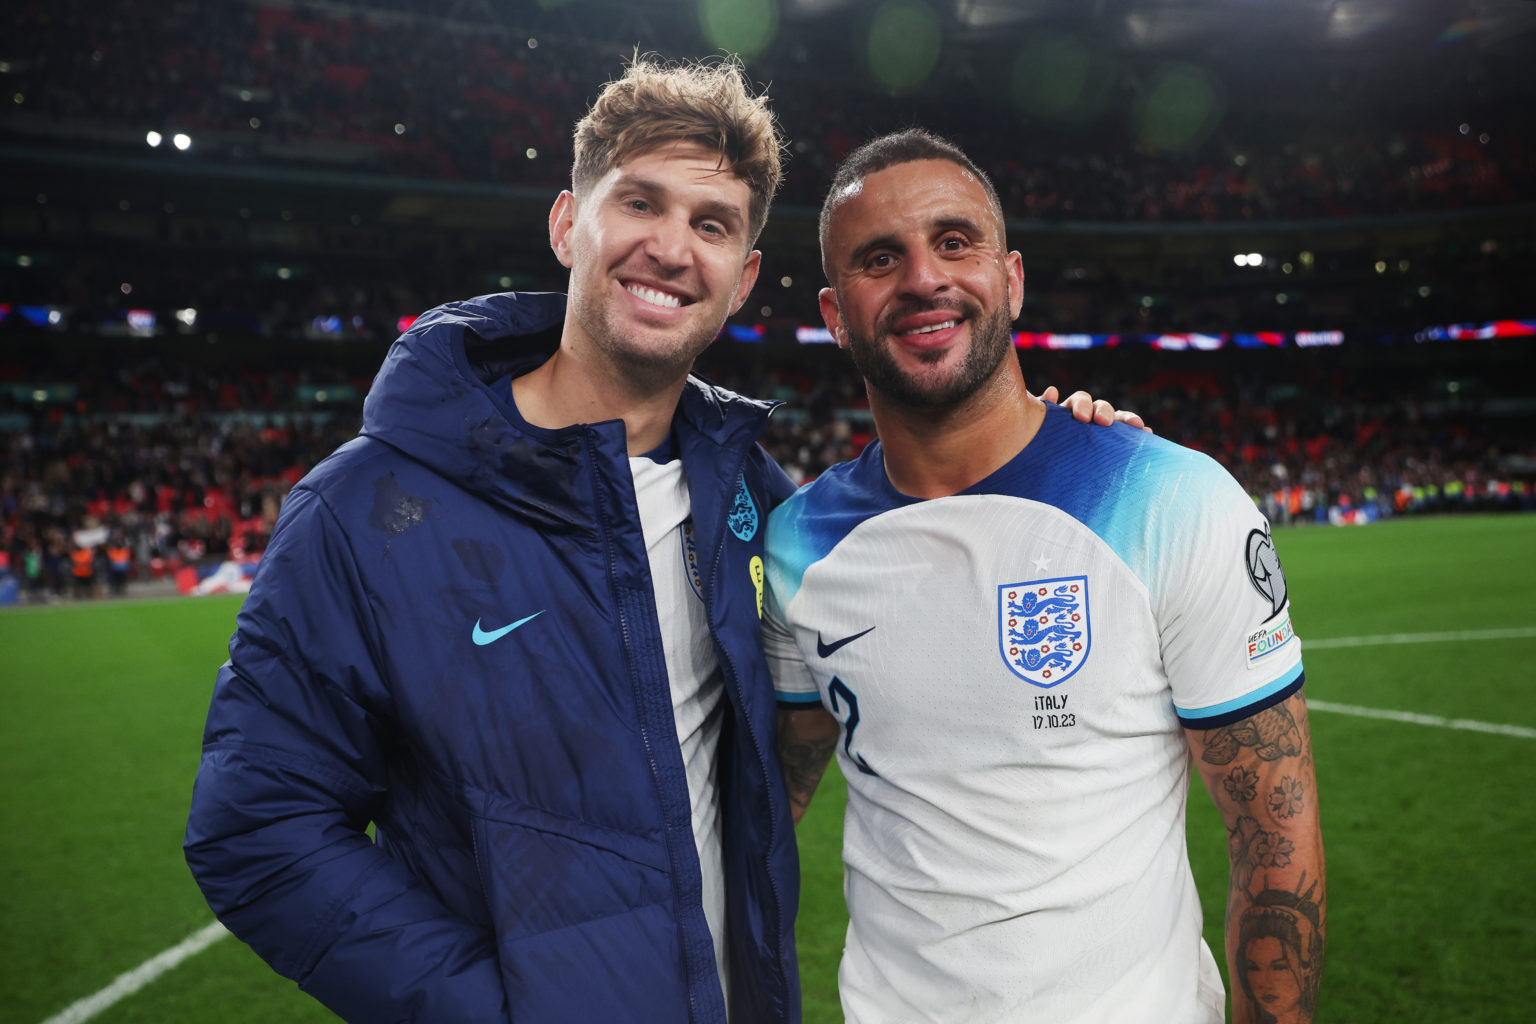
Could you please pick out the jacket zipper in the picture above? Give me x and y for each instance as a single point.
(645, 735)
(757, 748)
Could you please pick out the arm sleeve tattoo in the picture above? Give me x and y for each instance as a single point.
(807, 739)
(1260, 773)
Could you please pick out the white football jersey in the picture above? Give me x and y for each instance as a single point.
(1011, 667)
(693, 669)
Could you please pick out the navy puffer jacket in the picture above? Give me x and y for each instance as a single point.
(534, 859)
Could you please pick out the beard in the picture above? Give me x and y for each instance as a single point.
(991, 341)
(645, 361)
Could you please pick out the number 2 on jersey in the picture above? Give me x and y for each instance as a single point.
(839, 689)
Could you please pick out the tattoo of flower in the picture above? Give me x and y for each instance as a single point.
(1285, 801)
(1240, 785)
(1273, 850)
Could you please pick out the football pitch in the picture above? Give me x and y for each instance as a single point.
(1419, 642)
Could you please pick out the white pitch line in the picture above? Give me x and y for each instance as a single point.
(132, 981)
(1513, 633)
(1414, 718)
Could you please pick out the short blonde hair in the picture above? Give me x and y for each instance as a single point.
(709, 104)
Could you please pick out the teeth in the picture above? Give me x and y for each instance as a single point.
(654, 297)
(929, 329)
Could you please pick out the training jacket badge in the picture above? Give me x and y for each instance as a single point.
(742, 518)
(1042, 628)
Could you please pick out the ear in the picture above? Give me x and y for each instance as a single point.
(748, 279)
(562, 218)
(1014, 265)
(832, 314)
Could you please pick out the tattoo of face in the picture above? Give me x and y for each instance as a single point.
(1272, 734)
(1280, 955)
(1287, 799)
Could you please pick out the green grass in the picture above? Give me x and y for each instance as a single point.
(1428, 831)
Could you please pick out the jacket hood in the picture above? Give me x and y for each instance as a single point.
(441, 398)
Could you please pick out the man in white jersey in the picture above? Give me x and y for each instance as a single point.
(1017, 633)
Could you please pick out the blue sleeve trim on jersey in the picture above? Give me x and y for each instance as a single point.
(1231, 711)
(799, 700)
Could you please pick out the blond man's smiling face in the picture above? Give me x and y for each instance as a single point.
(659, 255)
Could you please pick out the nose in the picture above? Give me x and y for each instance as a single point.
(924, 273)
(669, 242)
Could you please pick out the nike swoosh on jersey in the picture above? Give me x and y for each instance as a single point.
(826, 650)
(482, 637)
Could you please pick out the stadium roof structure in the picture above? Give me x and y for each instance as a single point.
(1438, 50)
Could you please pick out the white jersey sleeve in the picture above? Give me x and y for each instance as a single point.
(793, 683)
(1221, 605)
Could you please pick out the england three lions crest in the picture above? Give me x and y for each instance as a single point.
(1042, 628)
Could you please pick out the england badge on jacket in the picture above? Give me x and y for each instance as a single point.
(1042, 628)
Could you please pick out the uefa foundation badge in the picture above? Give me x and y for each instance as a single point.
(1042, 628)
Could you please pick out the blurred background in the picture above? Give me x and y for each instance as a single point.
(1299, 235)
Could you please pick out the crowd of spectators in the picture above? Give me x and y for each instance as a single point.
(148, 464)
(424, 97)
(153, 469)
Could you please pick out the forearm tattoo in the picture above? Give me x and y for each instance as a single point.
(804, 754)
(1272, 734)
(1276, 901)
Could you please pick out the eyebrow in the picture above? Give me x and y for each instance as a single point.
(878, 242)
(715, 208)
(943, 224)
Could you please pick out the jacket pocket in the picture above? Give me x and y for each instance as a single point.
(583, 931)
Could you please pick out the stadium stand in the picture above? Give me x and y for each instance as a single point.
(185, 330)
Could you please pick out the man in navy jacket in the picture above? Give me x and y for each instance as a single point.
(514, 626)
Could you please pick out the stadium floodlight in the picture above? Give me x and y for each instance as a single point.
(182, 141)
(153, 138)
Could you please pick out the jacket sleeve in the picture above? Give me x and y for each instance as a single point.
(775, 481)
(293, 770)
